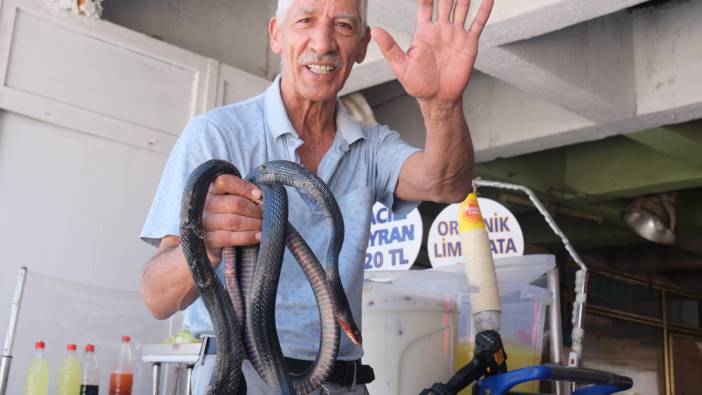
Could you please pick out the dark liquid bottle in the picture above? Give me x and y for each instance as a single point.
(91, 372)
(89, 389)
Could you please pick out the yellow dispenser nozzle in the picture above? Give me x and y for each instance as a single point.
(477, 257)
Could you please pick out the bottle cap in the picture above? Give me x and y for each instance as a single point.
(40, 345)
(126, 339)
(71, 347)
(89, 348)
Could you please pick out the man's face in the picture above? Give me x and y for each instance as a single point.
(318, 41)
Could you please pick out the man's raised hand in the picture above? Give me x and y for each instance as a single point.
(439, 62)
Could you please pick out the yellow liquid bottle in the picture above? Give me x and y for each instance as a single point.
(69, 374)
(37, 382)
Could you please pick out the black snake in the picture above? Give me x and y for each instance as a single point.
(243, 313)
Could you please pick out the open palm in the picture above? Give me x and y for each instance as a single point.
(440, 59)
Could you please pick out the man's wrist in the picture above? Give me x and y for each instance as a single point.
(438, 110)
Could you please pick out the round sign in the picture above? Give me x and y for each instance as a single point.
(504, 232)
(394, 242)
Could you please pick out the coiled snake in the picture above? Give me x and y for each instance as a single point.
(243, 313)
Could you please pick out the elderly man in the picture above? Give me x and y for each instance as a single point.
(299, 118)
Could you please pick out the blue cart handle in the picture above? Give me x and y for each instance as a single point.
(604, 383)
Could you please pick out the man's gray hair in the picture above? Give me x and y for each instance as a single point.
(283, 6)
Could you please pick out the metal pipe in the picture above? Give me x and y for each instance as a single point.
(10, 337)
(581, 275)
(156, 378)
(4, 372)
(555, 317)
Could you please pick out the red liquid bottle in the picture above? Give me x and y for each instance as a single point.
(122, 377)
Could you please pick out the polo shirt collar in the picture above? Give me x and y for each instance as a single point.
(350, 130)
(276, 114)
(279, 124)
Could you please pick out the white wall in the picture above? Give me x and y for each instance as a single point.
(72, 204)
(88, 114)
(91, 111)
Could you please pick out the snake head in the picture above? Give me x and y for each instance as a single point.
(352, 332)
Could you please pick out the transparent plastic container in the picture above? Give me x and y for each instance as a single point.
(523, 313)
(417, 323)
(521, 329)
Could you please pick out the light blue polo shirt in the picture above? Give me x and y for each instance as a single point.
(361, 167)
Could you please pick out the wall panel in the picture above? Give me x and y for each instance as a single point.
(72, 204)
(99, 78)
(236, 85)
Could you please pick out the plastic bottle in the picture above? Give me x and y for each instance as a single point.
(121, 377)
(90, 383)
(37, 382)
(68, 379)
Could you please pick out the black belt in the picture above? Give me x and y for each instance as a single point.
(342, 374)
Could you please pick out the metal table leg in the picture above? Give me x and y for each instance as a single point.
(156, 377)
(188, 381)
(555, 327)
(6, 355)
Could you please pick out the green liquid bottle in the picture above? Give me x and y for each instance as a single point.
(68, 379)
(37, 382)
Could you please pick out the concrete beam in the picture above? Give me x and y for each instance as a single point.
(516, 20)
(613, 168)
(617, 167)
(508, 120)
(586, 68)
(668, 59)
(511, 21)
(682, 142)
(504, 121)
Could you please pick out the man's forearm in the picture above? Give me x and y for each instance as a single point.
(167, 285)
(448, 152)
